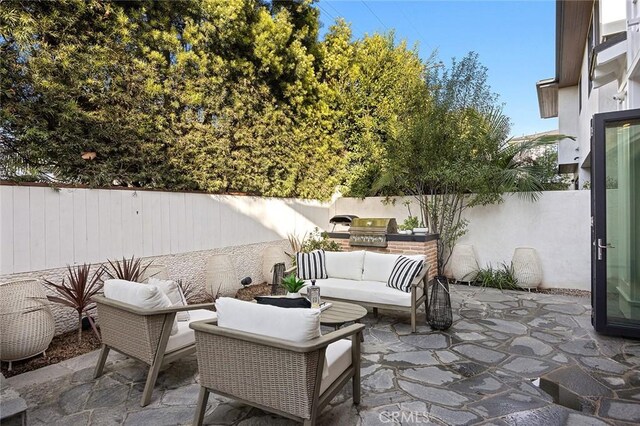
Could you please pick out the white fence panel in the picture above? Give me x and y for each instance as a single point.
(52, 228)
(6, 228)
(42, 228)
(37, 228)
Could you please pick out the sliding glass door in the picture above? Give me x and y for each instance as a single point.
(615, 194)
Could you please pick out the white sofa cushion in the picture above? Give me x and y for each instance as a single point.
(174, 293)
(143, 296)
(185, 336)
(373, 292)
(378, 266)
(337, 359)
(293, 324)
(347, 265)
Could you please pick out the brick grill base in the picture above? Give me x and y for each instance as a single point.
(428, 248)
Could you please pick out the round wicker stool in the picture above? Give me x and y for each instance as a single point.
(26, 322)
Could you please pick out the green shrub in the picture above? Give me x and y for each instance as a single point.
(501, 277)
(319, 240)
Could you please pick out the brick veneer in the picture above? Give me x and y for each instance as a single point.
(429, 248)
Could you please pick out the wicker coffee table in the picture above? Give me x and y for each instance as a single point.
(341, 313)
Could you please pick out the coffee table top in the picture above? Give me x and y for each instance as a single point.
(341, 312)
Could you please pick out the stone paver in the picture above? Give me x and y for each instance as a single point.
(483, 370)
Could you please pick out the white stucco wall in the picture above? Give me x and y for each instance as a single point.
(557, 226)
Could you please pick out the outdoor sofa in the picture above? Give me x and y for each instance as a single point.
(362, 277)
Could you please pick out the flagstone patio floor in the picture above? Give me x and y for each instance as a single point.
(483, 370)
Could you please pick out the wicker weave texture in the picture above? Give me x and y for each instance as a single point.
(26, 322)
(134, 335)
(273, 377)
(526, 267)
(220, 276)
(464, 266)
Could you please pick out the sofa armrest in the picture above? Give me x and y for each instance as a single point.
(211, 326)
(421, 276)
(145, 312)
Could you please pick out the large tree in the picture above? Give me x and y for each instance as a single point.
(453, 152)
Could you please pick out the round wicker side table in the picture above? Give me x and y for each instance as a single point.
(26, 322)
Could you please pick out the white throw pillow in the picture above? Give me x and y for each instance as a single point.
(174, 293)
(293, 324)
(378, 266)
(347, 265)
(143, 296)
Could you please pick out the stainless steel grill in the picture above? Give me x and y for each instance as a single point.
(371, 231)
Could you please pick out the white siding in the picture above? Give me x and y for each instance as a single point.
(42, 228)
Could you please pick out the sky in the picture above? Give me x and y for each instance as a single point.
(515, 40)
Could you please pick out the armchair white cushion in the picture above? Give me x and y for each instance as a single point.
(174, 293)
(293, 324)
(143, 296)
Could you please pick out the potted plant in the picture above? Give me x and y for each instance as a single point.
(293, 285)
(409, 223)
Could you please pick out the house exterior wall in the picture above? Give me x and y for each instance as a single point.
(568, 105)
(620, 94)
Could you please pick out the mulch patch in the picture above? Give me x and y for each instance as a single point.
(62, 347)
(251, 291)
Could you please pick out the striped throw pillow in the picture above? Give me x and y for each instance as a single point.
(311, 266)
(403, 273)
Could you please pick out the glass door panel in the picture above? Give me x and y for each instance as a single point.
(616, 192)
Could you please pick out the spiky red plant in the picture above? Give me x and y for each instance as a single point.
(76, 292)
(127, 269)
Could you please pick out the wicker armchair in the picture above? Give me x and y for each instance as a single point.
(26, 322)
(145, 334)
(275, 375)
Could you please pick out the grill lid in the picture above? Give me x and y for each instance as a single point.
(342, 219)
(386, 225)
